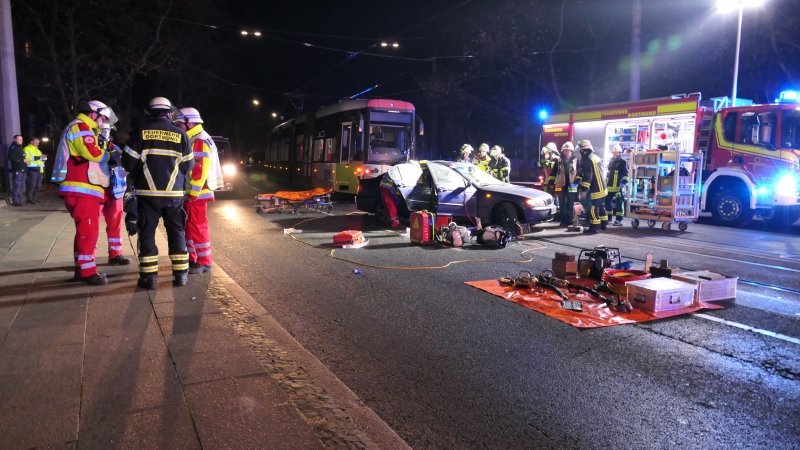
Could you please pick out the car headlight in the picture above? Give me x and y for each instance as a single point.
(229, 169)
(787, 185)
(533, 202)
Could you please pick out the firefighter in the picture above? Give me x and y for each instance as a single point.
(499, 166)
(159, 161)
(546, 163)
(35, 162)
(617, 182)
(592, 186)
(79, 170)
(562, 183)
(482, 159)
(466, 149)
(111, 210)
(205, 178)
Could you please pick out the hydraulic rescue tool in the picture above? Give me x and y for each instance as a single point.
(591, 263)
(618, 303)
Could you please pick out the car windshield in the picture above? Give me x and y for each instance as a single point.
(477, 176)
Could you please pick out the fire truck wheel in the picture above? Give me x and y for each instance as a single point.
(731, 208)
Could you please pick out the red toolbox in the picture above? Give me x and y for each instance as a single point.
(349, 237)
(422, 227)
(443, 220)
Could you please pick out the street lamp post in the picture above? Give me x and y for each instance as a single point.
(727, 5)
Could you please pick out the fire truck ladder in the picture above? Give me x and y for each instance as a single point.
(706, 128)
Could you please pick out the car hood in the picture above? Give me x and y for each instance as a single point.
(515, 190)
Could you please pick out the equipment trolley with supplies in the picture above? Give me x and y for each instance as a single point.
(664, 187)
(317, 199)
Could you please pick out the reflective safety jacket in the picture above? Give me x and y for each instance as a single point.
(33, 158)
(79, 158)
(563, 174)
(590, 177)
(207, 173)
(388, 184)
(482, 161)
(617, 174)
(158, 159)
(500, 168)
(545, 167)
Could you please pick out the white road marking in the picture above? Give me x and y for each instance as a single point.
(749, 328)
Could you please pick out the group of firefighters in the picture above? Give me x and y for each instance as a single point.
(491, 161)
(567, 178)
(168, 170)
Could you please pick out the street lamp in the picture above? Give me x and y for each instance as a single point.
(255, 102)
(730, 5)
(386, 44)
(45, 139)
(274, 114)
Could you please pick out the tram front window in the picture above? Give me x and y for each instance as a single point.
(388, 144)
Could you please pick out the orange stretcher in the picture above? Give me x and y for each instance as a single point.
(595, 313)
(317, 199)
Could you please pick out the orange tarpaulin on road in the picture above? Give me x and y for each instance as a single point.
(297, 196)
(595, 313)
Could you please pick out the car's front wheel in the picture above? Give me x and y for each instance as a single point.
(502, 212)
(380, 213)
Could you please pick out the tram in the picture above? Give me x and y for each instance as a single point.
(336, 145)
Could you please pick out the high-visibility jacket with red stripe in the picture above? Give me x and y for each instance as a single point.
(84, 176)
(198, 183)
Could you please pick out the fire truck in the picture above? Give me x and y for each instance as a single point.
(750, 151)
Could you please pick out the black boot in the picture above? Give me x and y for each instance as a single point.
(603, 224)
(119, 261)
(199, 268)
(591, 230)
(149, 283)
(180, 279)
(94, 280)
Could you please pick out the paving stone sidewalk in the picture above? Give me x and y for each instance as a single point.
(201, 366)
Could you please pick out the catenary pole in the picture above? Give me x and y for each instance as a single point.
(9, 120)
(636, 45)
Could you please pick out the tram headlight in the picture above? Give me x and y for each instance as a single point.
(787, 185)
(229, 169)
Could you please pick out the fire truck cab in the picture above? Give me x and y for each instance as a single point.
(750, 151)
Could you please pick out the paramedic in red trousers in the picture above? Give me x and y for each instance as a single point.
(111, 210)
(159, 162)
(205, 177)
(391, 199)
(79, 169)
(617, 182)
(590, 177)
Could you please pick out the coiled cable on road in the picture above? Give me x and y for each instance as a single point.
(363, 264)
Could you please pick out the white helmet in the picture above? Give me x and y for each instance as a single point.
(616, 149)
(187, 115)
(96, 106)
(567, 146)
(466, 148)
(496, 150)
(161, 105)
(484, 148)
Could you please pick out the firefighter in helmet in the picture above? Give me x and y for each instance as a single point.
(466, 149)
(160, 161)
(546, 163)
(482, 159)
(590, 176)
(499, 166)
(561, 182)
(617, 182)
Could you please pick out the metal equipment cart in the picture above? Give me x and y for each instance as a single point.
(664, 187)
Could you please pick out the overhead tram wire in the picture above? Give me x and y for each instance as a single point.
(341, 63)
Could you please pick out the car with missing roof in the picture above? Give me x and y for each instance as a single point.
(461, 190)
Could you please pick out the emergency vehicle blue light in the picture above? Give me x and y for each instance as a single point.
(762, 190)
(543, 114)
(790, 97)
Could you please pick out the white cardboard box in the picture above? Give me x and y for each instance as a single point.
(661, 294)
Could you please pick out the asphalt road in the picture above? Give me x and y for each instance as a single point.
(451, 367)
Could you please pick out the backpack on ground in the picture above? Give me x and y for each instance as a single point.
(493, 237)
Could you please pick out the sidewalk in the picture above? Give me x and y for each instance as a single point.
(201, 366)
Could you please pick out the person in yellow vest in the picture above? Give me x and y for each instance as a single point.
(482, 159)
(546, 163)
(592, 187)
(35, 162)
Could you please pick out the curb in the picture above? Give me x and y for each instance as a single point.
(375, 429)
